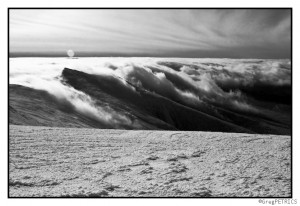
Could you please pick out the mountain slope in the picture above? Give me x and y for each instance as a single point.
(142, 103)
(124, 105)
(33, 107)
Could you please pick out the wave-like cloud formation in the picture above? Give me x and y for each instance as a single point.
(245, 87)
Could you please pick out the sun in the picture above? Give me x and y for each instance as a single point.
(70, 53)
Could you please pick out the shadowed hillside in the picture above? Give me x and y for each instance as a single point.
(33, 107)
(108, 101)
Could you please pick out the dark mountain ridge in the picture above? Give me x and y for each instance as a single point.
(145, 109)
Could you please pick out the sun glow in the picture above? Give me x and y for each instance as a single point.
(70, 53)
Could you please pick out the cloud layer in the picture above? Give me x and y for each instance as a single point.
(217, 87)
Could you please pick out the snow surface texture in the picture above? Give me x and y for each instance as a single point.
(62, 162)
(217, 87)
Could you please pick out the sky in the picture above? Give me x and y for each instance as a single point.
(219, 33)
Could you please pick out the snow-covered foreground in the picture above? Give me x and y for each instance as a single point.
(64, 162)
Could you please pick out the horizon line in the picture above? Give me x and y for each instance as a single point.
(133, 55)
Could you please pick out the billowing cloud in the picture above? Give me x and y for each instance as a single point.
(249, 87)
(43, 75)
